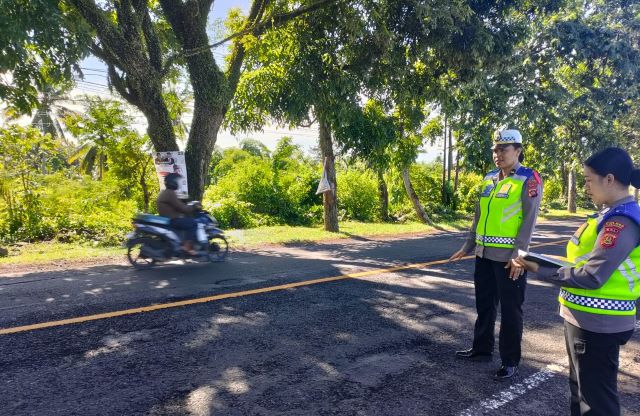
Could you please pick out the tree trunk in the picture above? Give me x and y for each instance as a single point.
(383, 198)
(202, 140)
(450, 158)
(329, 198)
(444, 163)
(154, 108)
(564, 178)
(455, 182)
(145, 188)
(411, 193)
(572, 195)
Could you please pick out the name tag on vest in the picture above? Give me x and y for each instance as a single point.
(504, 191)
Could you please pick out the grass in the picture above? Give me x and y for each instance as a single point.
(557, 214)
(348, 229)
(49, 252)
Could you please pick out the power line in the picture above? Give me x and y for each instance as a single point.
(91, 83)
(95, 69)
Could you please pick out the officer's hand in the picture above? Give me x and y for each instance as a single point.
(457, 255)
(516, 270)
(527, 265)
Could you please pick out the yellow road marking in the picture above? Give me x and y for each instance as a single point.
(206, 299)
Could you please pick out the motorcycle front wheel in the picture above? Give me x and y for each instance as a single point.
(218, 248)
(135, 255)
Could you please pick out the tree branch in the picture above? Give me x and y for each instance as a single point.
(151, 37)
(127, 21)
(205, 6)
(106, 56)
(97, 18)
(238, 53)
(254, 28)
(120, 84)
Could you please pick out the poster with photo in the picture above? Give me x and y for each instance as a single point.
(172, 162)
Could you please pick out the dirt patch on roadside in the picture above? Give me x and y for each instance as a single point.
(15, 270)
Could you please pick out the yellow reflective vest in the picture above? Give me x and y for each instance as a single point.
(501, 208)
(619, 294)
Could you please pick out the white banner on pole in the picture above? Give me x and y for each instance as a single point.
(172, 162)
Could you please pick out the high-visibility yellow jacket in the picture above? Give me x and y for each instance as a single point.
(501, 208)
(619, 294)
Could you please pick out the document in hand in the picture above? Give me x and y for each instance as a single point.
(545, 260)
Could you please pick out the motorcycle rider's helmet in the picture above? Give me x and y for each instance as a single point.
(171, 181)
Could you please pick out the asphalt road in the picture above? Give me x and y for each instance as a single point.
(269, 338)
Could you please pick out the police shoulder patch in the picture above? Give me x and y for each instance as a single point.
(613, 227)
(608, 239)
(532, 188)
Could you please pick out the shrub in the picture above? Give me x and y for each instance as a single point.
(79, 208)
(229, 212)
(276, 193)
(357, 194)
(552, 194)
(468, 191)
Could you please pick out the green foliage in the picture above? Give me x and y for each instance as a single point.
(468, 191)
(229, 212)
(25, 152)
(71, 208)
(39, 206)
(254, 147)
(552, 196)
(278, 190)
(38, 48)
(80, 209)
(108, 144)
(357, 194)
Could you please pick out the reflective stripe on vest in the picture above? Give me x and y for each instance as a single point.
(597, 303)
(619, 293)
(501, 209)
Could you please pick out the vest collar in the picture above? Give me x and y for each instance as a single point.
(624, 200)
(496, 177)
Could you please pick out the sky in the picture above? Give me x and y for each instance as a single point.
(95, 83)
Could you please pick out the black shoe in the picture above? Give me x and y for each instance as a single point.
(472, 354)
(505, 372)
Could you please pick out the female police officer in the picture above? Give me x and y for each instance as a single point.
(503, 224)
(598, 295)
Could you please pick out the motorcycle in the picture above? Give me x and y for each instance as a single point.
(153, 240)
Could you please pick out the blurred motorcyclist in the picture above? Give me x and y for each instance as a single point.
(170, 206)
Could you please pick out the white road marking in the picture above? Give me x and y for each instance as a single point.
(513, 392)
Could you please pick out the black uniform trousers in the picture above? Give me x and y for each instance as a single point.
(593, 370)
(493, 286)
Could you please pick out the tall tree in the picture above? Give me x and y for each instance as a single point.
(144, 43)
(312, 70)
(399, 51)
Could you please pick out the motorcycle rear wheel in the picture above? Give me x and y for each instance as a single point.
(134, 254)
(218, 249)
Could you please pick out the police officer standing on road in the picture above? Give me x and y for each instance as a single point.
(504, 221)
(598, 295)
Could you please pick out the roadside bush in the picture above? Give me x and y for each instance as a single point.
(81, 209)
(229, 212)
(552, 194)
(357, 194)
(70, 209)
(252, 191)
(468, 191)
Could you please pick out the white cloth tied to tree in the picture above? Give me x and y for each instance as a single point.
(324, 185)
